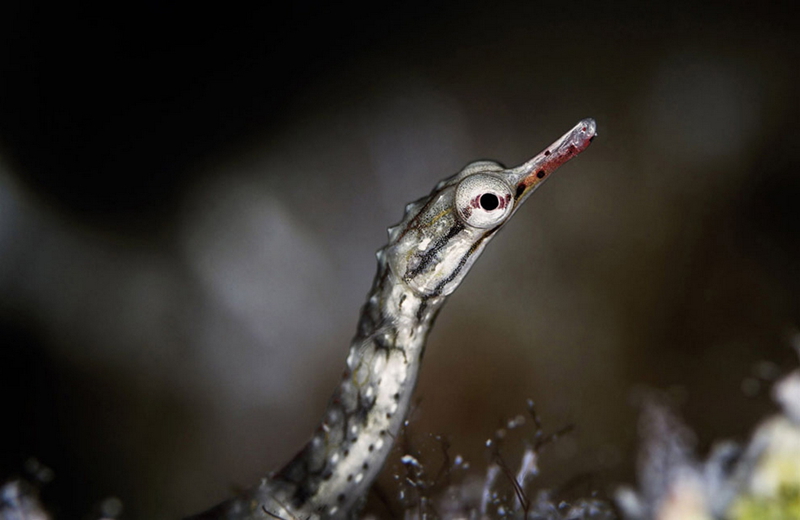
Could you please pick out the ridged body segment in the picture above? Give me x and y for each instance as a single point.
(333, 472)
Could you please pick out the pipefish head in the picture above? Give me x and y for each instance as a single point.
(441, 235)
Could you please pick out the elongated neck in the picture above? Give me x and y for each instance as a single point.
(334, 471)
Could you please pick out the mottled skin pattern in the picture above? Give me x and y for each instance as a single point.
(428, 254)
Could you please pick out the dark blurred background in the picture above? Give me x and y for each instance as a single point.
(190, 199)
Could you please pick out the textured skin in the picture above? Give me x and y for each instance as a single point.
(428, 254)
(329, 477)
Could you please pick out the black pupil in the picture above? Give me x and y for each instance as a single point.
(489, 201)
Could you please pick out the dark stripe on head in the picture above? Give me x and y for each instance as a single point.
(430, 254)
(440, 287)
(413, 224)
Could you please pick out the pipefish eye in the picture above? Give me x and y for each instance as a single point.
(483, 200)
